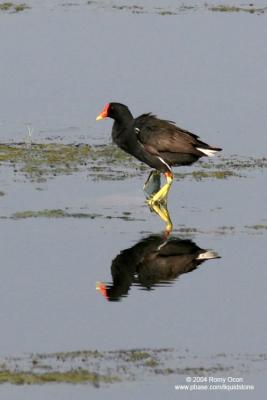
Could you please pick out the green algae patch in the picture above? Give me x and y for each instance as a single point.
(257, 227)
(38, 162)
(135, 355)
(110, 367)
(59, 213)
(73, 376)
(134, 9)
(107, 162)
(13, 7)
(179, 9)
(52, 213)
(35, 214)
(235, 9)
(198, 175)
(151, 363)
(72, 355)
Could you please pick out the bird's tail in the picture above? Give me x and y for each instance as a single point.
(210, 151)
(207, 255)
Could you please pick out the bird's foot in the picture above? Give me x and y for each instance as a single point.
(160, 197)
(151, 202)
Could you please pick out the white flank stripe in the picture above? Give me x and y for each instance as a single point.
(162, 245)
(207, 152)
(164, 162)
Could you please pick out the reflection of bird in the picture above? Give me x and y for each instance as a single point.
(151, 262)
(156, 142)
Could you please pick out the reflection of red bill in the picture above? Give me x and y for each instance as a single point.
(102, 289)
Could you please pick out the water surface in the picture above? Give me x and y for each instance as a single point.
(203, 69)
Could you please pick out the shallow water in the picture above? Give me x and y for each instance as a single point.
(206, 71)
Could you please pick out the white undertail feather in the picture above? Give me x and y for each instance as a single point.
(208, 255)
(208, 152)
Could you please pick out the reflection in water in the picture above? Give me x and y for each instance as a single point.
(153, 261)
(156, 260)
(162, 211)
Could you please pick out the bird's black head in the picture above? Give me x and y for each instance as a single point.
(116, 111)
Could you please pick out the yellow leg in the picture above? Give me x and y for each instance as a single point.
(162, 194)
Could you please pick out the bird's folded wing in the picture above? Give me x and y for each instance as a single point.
(158, 136)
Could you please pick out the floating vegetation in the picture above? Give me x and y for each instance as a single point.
(233, 9)
(65, 213)
(52, 213)
(137, 9)
(257, 227)
(185, 231)
(108, 162)
(72, 376)
(181, 230)
(166, 12)
(198, 175)
(135, 355)
(13, 7)
(175, 10)
(133, 9)
(140, 9)
(108, 367)
(38, 162)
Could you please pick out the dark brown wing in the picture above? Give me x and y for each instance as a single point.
(159, 136)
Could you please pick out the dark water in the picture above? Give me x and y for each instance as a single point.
(207, 71)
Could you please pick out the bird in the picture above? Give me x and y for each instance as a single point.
(153, 261)
(159, 143)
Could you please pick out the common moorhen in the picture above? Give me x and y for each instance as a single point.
(156, 142)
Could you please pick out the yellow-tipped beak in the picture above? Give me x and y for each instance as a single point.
(104, 113)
